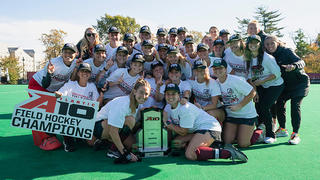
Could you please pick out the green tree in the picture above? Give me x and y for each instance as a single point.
(53, 43)
(11, 62)
(268, 21)
(124, 24)
(300, 40)
(197, 36)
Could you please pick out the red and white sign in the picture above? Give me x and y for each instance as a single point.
(66, 116)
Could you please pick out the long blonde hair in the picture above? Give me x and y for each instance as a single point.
(85, 44)
(133, 102)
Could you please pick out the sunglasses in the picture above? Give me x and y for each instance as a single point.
(90, 34)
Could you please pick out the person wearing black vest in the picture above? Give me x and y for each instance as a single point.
(296, 83)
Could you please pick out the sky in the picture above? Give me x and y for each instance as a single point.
(23, 22)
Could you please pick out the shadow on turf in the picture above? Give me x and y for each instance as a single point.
(20, 159)
(5, 116)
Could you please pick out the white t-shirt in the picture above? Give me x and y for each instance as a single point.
(60, 75)
(190, 59)
(191, 117)
(203, 92)
(147, 66)
(237, 63)
(212, 75)
(94, 69)
(137, 46)
(269, 66)
(183, 86)
(151, 101)
(120, 89)
(116, 111)
(110, 51)
(233, 90)
(73, 89)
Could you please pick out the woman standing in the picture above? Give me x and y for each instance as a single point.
(296, 86)
(87, 43)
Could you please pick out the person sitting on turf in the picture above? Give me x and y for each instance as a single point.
(205, 129)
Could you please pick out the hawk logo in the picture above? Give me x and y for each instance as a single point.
(43, 101)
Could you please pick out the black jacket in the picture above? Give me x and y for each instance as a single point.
(296, 81)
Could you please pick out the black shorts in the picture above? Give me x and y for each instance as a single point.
(216, 135)
(246, 121)
(97, 132)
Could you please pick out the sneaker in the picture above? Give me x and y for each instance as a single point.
(270, 140)
(113, 154)
(294, 139)
(50, 143)
(281, 132)
(69, 144)
(235, 153)
(100, 144)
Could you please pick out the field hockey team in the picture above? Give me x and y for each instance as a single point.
(226, 90)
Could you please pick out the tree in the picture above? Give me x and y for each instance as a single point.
(53, 43)
(268, 21)
(11, 62)
(302, 47)
(197, 36)
(124, 24)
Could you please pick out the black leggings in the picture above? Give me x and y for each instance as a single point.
(295, 111)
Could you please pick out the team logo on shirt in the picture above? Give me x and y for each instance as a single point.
(229, 97)
(257, 71)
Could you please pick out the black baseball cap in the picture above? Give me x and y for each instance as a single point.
(217, 42)
(172, 87)
(113, 29)
(84, 66)
(138, 58)
(223, 31)
(147, 43)
(218, 62)
(173, 49)
(145, 29)
(122, 49)
(99, 47)
(69, 46)
(155, 64)
(202, 46)
(252, 38)
(199, 64)
(163, 46)
(188, 40)
(128, 37)
(161, 31)
(174, 67)
(173, 31)
(234, 37)
(182, 29)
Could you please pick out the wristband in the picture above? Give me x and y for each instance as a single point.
(186, 98)
(105, 69)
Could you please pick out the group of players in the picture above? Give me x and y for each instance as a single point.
(224, 90)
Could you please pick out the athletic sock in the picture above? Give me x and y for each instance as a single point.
(205, 153)
(255, 136)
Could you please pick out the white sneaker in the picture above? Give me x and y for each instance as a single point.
(281, 132)
(270, 140)
(294, 139)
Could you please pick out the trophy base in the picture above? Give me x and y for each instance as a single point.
(153, 154)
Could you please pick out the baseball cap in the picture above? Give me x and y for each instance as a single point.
(173, 49)
(199, 64)
(138, 58)
(174, 67)
(217, 42)
(188, 40)
(218, 62)
(253, 37)
(182, 29)
(99, 47)
(163, 46)
(234, 37)
(84, 66)
(223, 31)
(173, 31)
(128, 36)
(145, 29)
(155, 64)
(202, 46)
(172, 87)
(161, 31)
(113, 29)
(147, 43)
(69, 46)
(122, 49)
